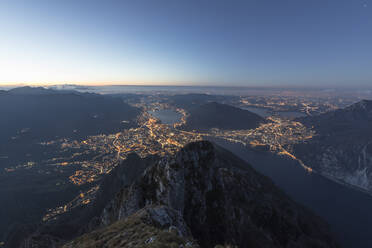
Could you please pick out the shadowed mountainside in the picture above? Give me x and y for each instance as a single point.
(342, 146)
(222, 116)
(45, 113)
(205, 196)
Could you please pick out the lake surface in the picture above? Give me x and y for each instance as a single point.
(348, 211)
(263, 112)
(166, 116)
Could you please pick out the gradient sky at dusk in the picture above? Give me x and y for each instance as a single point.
(215, 42)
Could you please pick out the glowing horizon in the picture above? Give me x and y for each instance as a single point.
(240, 43)
(101, 83)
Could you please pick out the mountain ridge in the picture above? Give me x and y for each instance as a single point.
(221, 200)
(342, 146)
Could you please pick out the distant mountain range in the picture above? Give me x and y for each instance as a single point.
(202, 197)
(26, 90)
(342, 147)
(222, 116)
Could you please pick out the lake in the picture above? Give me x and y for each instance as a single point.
(348, 211)
(166, 116)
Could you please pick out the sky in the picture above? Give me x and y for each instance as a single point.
(187, 42)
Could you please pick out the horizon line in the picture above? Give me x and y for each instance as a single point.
(184, 84)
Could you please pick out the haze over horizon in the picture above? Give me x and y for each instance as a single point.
(240, 43)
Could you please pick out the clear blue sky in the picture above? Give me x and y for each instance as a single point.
(262, 42)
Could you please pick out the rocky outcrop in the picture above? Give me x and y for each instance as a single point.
(153, 226)
(222, 200)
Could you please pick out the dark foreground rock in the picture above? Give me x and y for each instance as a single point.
(204, 196)
(154, 226)
(222, 200)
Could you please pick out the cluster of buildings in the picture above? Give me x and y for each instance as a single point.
(302, 104)
(277, 135)
(81, 199)
(98, 155)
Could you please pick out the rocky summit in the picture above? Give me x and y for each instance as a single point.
(153, 226)
(204, 196)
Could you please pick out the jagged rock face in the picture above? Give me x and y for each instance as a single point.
(153, 226)
(222, 201)
(347, 161)
(342, 148)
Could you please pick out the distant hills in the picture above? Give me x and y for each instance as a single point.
(189, 101)
(342, 147)
(222, 116)
(46, 113)
(202, 197)
(27, 90)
